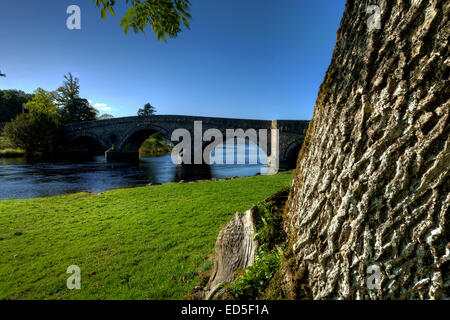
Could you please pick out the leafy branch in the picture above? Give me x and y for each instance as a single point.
(165, 17)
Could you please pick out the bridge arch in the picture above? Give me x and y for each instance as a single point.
(133, 139)
(249, 144)
(85, 143)
(290, 156)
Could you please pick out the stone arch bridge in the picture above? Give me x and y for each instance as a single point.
(121, 138)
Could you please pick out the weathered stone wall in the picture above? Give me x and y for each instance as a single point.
(372, 183)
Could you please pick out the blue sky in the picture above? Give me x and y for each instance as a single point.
(255, 59)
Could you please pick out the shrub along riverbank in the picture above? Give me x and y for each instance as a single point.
(139, 243)
(7, 150)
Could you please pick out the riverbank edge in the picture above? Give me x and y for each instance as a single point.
(12, 153)
(150, 184)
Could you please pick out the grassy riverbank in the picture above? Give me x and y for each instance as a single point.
(139, 243)
(7, 150)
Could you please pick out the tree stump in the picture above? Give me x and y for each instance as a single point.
(235, 250)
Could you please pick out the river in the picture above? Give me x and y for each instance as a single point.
(20, 179)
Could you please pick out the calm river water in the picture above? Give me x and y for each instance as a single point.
(22, 180)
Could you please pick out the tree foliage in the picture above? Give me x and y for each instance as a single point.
(11, 103)
(147, 111)
(43, 101)
(39, 129)
(37, 133)
(73, 108)
(78, 110)
(69, 91)
(165, 17)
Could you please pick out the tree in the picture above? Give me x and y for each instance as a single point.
(78, 110)
(73, 108)
(37, 133)
(372, 183)
(147, 111)
(165, 17)
(43, 101)
(69, 91)
(11, 103)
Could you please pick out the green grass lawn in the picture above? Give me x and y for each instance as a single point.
(128, 243)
